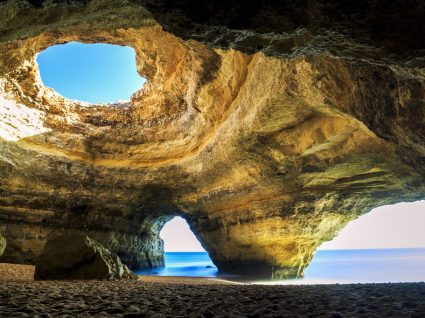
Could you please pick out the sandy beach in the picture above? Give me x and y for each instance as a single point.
(21, 296)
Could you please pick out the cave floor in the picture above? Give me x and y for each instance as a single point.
(183, 297)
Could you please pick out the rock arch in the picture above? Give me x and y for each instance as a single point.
(270, 142)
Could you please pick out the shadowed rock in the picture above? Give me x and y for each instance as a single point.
(76, 256)
(2, 245)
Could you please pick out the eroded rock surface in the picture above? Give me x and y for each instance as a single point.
(76, 256)
(2, 245)
(268, 132)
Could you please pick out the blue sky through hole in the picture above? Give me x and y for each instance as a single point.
(93, 73)
(392, 226)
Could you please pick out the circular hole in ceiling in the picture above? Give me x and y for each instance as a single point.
(92, 73)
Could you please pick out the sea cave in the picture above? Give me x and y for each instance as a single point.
(267, 125)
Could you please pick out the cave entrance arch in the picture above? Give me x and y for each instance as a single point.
(385, 245)
(391, 226)
(184, 254)
(97, 73)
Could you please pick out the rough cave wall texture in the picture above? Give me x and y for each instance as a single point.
(269, 125)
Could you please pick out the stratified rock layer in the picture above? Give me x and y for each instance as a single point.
(268, 132)
(77, 257)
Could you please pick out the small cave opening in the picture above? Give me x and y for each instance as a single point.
(183, 253)
(91, 73)
(385, 245)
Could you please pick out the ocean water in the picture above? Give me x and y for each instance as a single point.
(366, 266)
(327, 266)
(196, 264)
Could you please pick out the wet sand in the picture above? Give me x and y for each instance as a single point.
(20, 296)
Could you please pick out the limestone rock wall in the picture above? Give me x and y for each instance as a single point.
(2, 245)
(267, 137)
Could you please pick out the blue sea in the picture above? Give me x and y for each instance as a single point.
(327, 266)
(196, 264)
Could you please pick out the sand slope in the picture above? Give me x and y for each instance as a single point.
(185, 297)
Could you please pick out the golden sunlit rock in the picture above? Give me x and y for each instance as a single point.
(267, 143)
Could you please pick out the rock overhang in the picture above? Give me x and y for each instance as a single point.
(268, 148)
